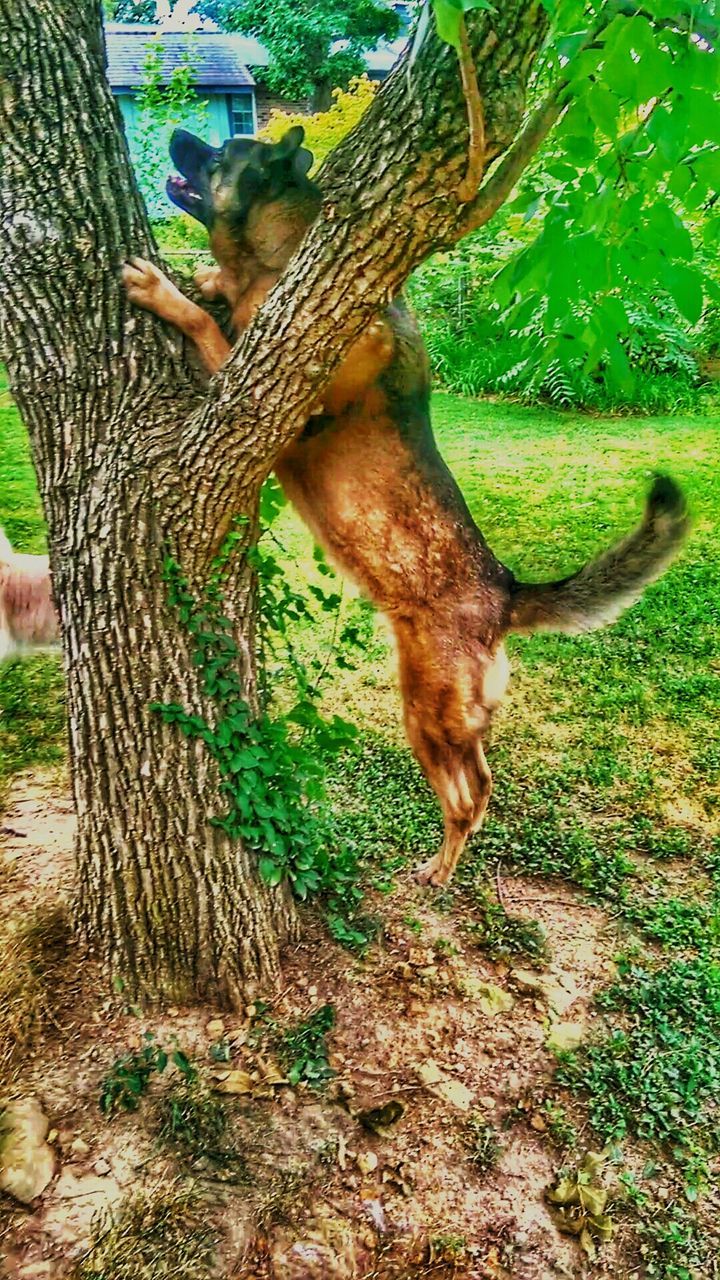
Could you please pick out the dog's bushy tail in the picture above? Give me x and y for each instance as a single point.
(599, 592)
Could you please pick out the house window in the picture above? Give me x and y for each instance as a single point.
(242, 116)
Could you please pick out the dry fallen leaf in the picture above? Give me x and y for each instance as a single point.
(443, 1086)
(565, 1036)
(235, 1082)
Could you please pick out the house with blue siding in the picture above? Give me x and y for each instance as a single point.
(233, 103)
(222, 79)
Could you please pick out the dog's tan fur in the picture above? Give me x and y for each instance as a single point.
(367, 478)
(27, 615)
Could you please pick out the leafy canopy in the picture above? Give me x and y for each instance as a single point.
(629, 174)
(314, 45)
(611, 238)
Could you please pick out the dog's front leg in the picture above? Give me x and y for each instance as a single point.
(148, 287)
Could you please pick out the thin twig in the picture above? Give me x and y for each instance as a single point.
(476, 119)
(499, 889)
(496, 190)
(499, 185)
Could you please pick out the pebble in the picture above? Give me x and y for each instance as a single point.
(79, 1147)
(101, 1167)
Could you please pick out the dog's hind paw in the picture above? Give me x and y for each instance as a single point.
(430, 872)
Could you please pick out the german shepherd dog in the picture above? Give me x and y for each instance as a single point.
(367, 478)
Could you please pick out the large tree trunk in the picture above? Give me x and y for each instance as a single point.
(174, 905)
(133, 458)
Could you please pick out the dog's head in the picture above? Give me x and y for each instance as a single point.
(254, 194)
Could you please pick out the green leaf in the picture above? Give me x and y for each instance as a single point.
(448, 15)
(183, 1064)
(685, 286)
(271, 871)
(604, 109)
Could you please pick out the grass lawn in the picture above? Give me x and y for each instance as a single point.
(606, 756)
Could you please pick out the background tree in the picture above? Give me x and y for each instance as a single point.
(300, 36)
(135, 459)
(131, 10)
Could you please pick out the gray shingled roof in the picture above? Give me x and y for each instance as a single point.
(218, 59)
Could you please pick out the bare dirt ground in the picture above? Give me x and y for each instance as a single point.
(425, 1020)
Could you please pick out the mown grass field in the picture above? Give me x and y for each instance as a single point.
(606, 756)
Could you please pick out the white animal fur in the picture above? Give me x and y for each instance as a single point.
(28, 619)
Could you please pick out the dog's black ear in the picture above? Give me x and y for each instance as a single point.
(290, 152)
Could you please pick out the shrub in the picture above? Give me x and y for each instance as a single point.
(325, 129)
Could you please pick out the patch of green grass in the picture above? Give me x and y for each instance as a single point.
(561, 1131)
(32, 705)
(154, 1235)
(33, 728)
(21, 513)
(674, 1244)
(195, 1123)
(382, 802)
(655, 1074)
(482, 1143)
(128, 1079)
(303, 1049)
(683, 923)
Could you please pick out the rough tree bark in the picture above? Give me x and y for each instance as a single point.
(133, 455)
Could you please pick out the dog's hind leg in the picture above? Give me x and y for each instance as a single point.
(462, 782)
(449, 697)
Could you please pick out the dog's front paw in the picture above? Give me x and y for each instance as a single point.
(148, 287)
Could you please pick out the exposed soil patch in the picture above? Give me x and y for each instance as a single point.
(424, 1020)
